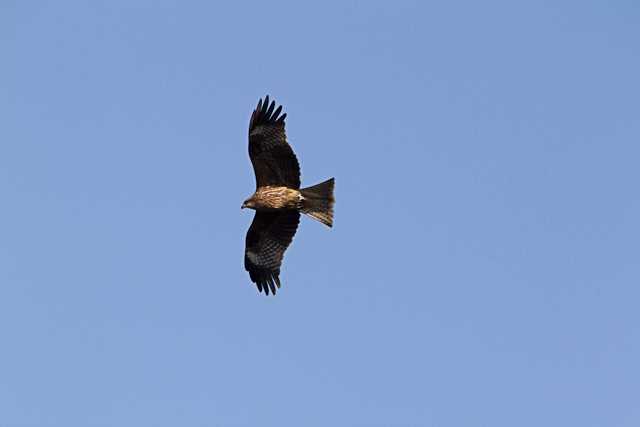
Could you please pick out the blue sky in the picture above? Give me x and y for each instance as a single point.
(483, 269)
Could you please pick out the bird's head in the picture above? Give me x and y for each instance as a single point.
(248, 204)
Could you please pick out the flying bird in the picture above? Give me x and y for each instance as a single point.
(278, 199)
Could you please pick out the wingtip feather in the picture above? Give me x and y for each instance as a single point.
(266, 112)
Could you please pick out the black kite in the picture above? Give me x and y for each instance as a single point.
(278, 199)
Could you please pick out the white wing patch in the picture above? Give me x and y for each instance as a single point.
(253, 257)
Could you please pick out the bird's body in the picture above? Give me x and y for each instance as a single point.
(278, 199)
(270, 198)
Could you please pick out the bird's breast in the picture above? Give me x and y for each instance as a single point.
(270, 198)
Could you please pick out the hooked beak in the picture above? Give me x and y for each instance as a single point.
(244, 205)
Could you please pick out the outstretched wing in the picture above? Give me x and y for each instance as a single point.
(268, 237)
(274, 162)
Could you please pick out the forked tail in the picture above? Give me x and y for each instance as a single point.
(318, 201)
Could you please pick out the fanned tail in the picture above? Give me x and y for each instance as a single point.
(318, 201)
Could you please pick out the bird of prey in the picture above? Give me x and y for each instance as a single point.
(278, 199)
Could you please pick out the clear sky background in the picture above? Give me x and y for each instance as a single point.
(483, 269)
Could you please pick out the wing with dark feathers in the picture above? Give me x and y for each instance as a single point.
(268, 238)
(274, 162)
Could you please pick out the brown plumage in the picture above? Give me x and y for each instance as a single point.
(278, 199)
